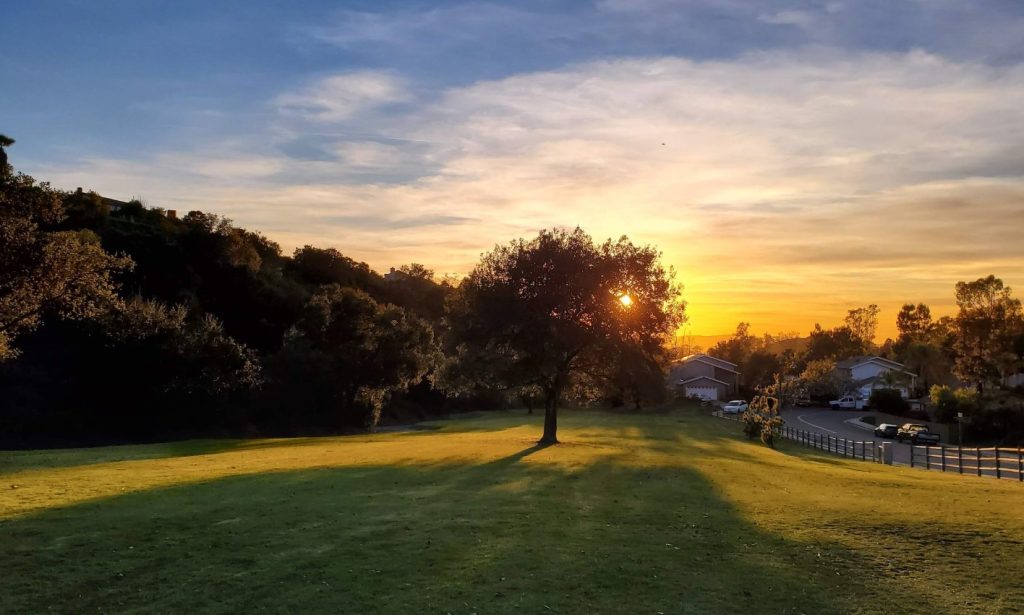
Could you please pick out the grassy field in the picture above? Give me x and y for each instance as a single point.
(668, 513)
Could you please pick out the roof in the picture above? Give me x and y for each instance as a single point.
(876, 379)
(851, 362)
(710, 360)
(685, 382)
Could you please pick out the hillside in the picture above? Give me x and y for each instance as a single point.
(633, 513)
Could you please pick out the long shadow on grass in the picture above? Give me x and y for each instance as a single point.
(504, 536)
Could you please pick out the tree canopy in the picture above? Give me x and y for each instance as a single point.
(533, 310)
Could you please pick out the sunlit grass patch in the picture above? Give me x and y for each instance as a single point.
(634, 513)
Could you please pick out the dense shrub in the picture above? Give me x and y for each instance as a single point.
(888, 400)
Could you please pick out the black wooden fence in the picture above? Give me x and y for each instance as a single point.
(844, 447)
(997, 462)
(854, 449)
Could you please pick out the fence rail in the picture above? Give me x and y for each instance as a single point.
(844, 447)
(995, 461)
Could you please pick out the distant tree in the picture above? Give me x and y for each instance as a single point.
(834, 344)
(416, 271)
(863, 323)
(760, 369)
(914, 321)
(532, 311)
(5, 142)
(347, 354)
(737, 348)
(623, 374)
(822, 381)
(328, 266)
(64, 272)
(85, 210)
(927, 360)
(415, 289)
(987, 325)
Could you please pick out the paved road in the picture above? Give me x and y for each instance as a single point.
(833, 423)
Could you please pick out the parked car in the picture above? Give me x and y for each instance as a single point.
(886, 430)
(736, 406)
(803, 402)
(917, 434)
(848, 402)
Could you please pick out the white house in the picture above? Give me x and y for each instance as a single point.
(704, 376)
(869, 373)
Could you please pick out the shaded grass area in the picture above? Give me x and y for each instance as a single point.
(670, 513)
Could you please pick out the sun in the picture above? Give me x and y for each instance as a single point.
(626, 300)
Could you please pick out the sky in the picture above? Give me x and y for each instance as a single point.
(792, 159)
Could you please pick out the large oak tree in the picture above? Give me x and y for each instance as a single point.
(534, 313)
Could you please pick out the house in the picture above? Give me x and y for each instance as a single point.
(867, 373)
(704, 376)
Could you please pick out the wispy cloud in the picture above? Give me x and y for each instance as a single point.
(339, 97)
(869, 177)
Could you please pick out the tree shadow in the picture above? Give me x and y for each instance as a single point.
(503, 536)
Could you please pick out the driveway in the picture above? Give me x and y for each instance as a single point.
(833, 423)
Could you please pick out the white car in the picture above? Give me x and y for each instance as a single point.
(736, 406)
(847, 403)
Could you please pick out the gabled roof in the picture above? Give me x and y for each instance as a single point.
(710, 360)
(685, 382)
(852, 362)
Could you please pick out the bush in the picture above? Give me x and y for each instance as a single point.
(888, 400)
(762, 419)
(949, 402)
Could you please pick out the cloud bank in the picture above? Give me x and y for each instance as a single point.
(784, 186)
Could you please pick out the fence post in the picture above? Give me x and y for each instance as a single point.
(1020, 464)
(927, 457)
(845, 447)
(998, 473)
(943, 448)
(977, 458)
(911, 454)
(960, 458)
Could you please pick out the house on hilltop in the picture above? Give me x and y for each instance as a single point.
(704, 376)
(868, 373)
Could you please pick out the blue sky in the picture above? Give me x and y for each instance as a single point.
(428, 131)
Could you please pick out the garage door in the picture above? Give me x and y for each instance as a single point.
(709, 393)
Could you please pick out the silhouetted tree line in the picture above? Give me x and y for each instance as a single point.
(969, 363)
(122, 322)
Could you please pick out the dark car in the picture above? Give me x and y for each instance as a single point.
(886, 430)
(917, 434)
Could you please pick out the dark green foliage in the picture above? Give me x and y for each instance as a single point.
(184, 357)
(889, 401)
(345, 357)
(537, 312)
(65, 273)
(834, 344)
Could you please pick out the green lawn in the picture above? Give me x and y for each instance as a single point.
(669, 513)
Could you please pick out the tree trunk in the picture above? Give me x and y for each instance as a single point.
(550, 418)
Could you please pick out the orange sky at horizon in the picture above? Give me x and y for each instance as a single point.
(784, 187)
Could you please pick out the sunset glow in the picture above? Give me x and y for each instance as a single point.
(790, 164)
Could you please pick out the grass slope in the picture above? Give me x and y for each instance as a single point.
(669, 513)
